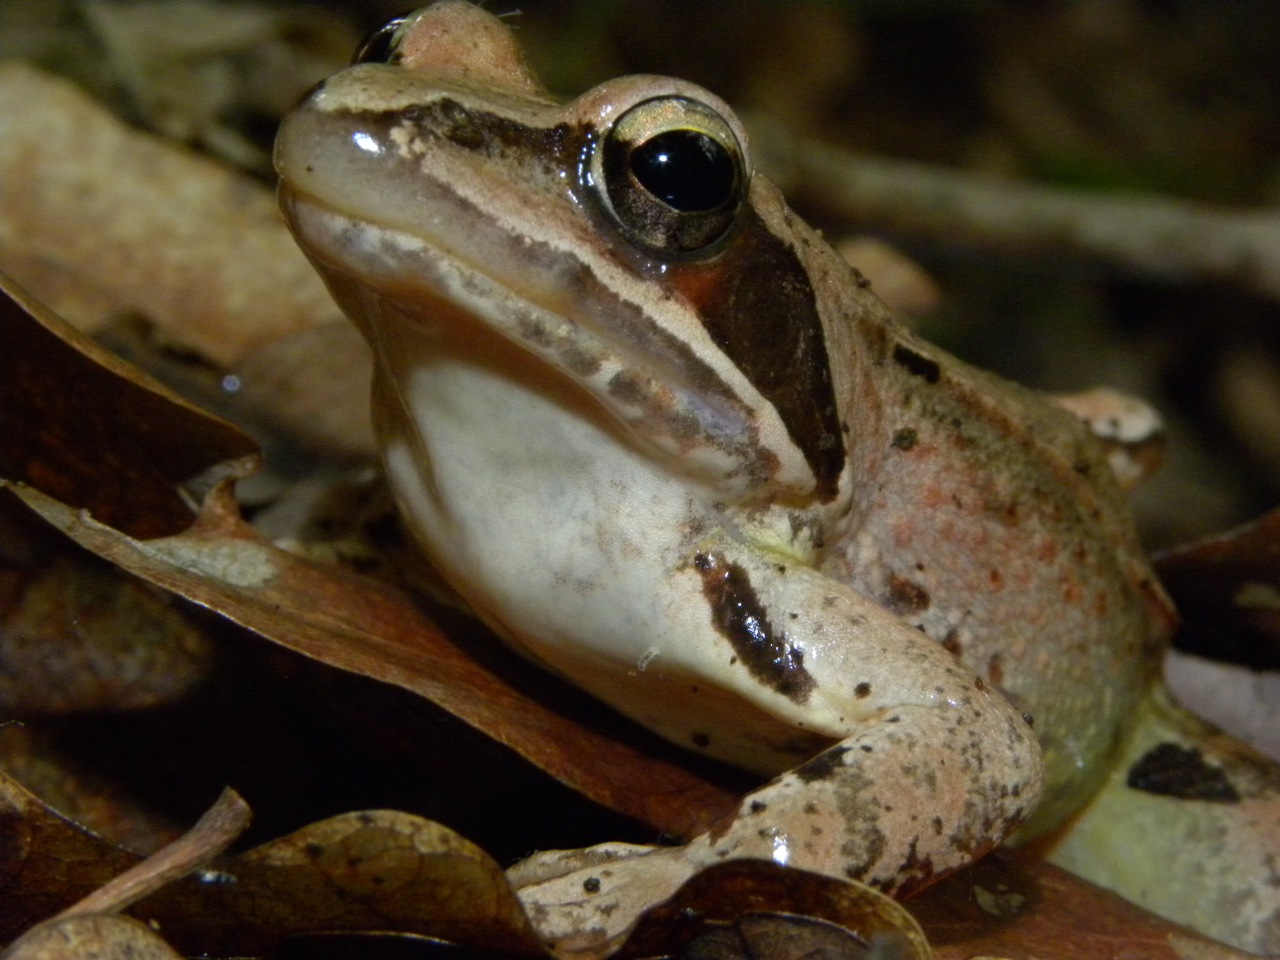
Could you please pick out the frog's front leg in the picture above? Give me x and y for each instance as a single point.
(934, 769)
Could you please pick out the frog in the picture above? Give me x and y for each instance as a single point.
(670, 446)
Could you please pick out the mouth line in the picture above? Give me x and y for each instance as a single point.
(644, 376)
(562, 296)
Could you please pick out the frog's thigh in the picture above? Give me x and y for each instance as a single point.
(934, 767)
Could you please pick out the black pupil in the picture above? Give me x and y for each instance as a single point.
(685, 169)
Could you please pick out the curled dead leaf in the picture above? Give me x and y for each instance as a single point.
(46, 862)
(1011, 904)
(754, 908)
(1227, 588)
(96, 433)
(376, 870)
(92, 937)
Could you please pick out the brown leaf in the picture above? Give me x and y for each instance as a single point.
(109, 808)
(772, 911)
(121, 231)
(46, 862)
(1227, 588)
(367, 627)
(377, 870)
(92, 937)
(94, 432)
(84, 930)
(1013, 905)
(76, 635)
(197, 249)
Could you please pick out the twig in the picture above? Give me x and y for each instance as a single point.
(1158, 236)
(212, 834)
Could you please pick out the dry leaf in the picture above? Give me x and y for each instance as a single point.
(92, 937)
(775, 912)
(197, 249)
(377, 870)
(46, 862)
(1227, 588)
(76, 635)
(95, 433)
(105, 222)
(1013, 905)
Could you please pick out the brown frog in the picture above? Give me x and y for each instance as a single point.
(667, 444)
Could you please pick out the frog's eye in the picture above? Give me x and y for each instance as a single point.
(671, 174)
(383, 44)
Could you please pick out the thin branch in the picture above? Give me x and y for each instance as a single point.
(1158, 236)
(212, 834)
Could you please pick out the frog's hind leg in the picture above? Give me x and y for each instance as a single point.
(1188, 826)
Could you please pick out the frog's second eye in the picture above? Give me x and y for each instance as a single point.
(672, 175)
(383, 44)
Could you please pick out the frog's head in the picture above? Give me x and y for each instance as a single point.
(620, 238)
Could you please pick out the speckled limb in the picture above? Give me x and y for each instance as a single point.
(914, 792)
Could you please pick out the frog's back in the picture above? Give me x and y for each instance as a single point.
(992, 521)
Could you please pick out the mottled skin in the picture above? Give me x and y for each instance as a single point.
(725, 492)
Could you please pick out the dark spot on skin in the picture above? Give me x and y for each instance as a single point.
(758, 806)
(977, 682)
(625, 387)
(862, 690)
(951, 643)
(591, 885)
(905, 596)
(1028, 719)
(1173, 771)
(916, 364)
(904, 439)
(823, 766)
(740, 617)
(995, 669)
(315, 850)
(701, 740)
(867, 748)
